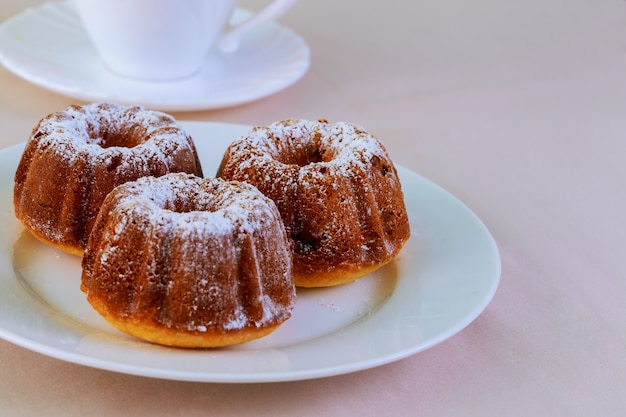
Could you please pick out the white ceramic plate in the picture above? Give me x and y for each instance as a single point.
(442, 280)
(48, 46)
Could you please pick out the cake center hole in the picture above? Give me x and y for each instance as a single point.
(123, 138)
(197, 201)
(306, 155)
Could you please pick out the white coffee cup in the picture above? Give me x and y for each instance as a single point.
(158, 40)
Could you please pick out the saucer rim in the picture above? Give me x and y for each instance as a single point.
(43, 75)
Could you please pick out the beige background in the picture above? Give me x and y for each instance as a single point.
(516, 107)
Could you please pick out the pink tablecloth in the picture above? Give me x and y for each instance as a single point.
(518, 109)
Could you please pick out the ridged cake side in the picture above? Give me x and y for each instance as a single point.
(74, 158)
(183, 261)
(337, 190)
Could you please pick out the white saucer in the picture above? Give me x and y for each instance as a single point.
(442, 280)
(48, 46)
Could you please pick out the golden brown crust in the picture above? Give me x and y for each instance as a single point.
(189, 262)
(337, 190)
(72, 250)
(337, 276)
(162, 335)
(75, 157)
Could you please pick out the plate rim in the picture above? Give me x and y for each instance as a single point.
(221, 377)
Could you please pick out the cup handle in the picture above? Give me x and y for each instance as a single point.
(229, 42)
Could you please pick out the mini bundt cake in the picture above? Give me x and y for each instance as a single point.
(189, 262)
(337, 191)
(75, 157)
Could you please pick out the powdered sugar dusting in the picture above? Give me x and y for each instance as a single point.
(86, 130)
(336, 188)
(202, 211)
(342, 140)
